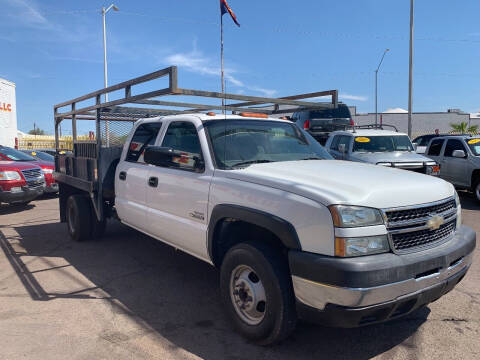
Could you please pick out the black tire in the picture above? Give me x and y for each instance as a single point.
(79, 217)
(279, 319)
(476, 189)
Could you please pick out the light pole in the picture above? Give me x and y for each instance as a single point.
(410, 72)
(104, 12)
(376, 86)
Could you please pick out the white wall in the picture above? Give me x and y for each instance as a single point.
(8, 113)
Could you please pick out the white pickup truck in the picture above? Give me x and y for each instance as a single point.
(293, 232)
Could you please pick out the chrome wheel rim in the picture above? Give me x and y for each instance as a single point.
(248, 295)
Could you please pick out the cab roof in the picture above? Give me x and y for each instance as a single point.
(206, 117)
(367, 132)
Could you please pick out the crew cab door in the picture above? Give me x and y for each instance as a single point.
(455, 169)
(132, 175)
(434, 152)
(177, 195)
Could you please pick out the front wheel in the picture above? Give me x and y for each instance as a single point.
(257, 292)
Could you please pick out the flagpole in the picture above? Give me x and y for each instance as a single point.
(221, 60)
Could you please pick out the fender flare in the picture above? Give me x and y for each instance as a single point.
(284, 230)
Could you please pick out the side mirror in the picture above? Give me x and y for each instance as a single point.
(342, 148)
(415, 146)
(168, 157)
(459, 154)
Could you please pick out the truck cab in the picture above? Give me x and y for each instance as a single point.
(380, 147)
(459, 157)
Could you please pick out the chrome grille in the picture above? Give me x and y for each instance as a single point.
(410, 228)
(34, 178)
(402, 241)
(420, 212)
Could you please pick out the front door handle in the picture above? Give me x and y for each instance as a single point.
(153, 181)
(122, 175)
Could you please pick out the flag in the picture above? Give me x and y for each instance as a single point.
(224, 8)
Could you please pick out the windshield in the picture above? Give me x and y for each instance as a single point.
(474, 145)
(238, 143)
(41, 155)
(15, 155)
(382, 143)
(341, 111)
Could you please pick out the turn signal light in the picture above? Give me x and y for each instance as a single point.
(254, 115)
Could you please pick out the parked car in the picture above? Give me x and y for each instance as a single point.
(459, 157)
(20, 182)
(53, 152)
(319, 123)
(47, 167)
(380, 147)
(421, 142)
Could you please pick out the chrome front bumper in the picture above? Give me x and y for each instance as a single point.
(318, 295)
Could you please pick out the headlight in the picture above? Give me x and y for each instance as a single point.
(10, 175)
(433, 168)
(459, 210)
(359, 246)
(354, 216)
(384, 164)
(48, 171)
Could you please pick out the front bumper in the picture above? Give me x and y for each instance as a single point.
(52, 188)
(21, 196)
(350, 292)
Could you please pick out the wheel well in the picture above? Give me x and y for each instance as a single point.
(475, 176)
(229, 231)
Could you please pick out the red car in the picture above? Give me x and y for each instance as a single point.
(20, 182)
(47, 167)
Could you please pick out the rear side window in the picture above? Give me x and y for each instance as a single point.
(145, 135)
(435, 147)
(452, 145)
(346, 141)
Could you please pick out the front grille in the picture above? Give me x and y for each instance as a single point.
(412, 239)
(420, 212)
(409, 227)
(34, 178)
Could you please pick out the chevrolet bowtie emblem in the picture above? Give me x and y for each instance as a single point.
(435, 222)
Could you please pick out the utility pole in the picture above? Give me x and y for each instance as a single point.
(410, 70)
(376, 86)
(104, 12)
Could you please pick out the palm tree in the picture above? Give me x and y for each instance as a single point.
(463, 128)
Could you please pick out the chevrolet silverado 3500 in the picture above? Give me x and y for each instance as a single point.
(294, 233)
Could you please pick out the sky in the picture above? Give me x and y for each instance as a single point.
(53, 50)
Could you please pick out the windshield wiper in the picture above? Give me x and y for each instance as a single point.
(312, 158)
(250, 162)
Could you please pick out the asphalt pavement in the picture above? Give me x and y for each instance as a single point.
(129, 296)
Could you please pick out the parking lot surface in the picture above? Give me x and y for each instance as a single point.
(131, 297)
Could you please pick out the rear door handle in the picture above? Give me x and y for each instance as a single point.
(122, 175)
(153, 181)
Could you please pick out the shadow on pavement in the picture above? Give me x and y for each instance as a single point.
(6, 209)
(177, 296)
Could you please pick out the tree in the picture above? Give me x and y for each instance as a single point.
(37, 131)
(463, 128)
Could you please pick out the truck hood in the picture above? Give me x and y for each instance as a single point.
(344, 182)
(396, 157)
(17, 165)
